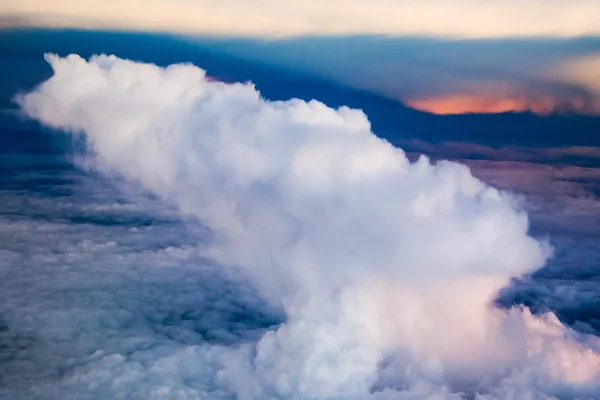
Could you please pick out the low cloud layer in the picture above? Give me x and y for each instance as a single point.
(98, 283)
(380, 273)
(464, 18)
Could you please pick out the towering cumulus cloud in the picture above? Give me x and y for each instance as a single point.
(386, 270)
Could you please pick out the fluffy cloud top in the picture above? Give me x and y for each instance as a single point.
(386, 270)
(463, 18)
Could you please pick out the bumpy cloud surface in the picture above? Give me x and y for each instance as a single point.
(386, 270)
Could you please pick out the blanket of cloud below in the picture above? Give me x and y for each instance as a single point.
(367, 276)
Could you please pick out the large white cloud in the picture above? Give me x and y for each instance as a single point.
(386, 270)
(459, 18)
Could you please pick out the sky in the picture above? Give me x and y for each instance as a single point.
(199, 205)
(267, 18)
(454, 56)
(443, 76)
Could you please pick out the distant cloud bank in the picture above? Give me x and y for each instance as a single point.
(442, 76)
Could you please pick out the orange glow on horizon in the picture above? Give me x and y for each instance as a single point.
(468, 103)
(465, 103)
